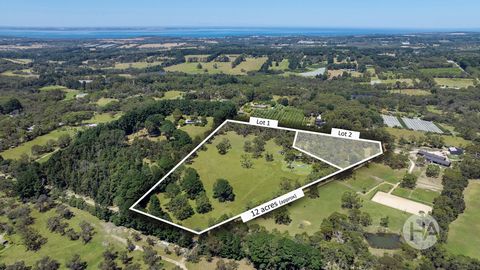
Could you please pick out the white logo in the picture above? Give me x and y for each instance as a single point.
(421, 232)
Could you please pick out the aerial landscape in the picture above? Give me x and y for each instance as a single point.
(143, 135)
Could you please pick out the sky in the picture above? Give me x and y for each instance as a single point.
(402, 14)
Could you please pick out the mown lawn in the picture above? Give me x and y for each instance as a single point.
(372, 174)
(420, 195)
(464, 232)
(199, 131)
(251, 186)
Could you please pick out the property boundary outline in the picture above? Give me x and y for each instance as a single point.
(132, 208)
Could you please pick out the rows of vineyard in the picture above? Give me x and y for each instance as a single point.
(287, 116)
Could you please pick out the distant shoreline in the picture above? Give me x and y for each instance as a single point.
(206, 32)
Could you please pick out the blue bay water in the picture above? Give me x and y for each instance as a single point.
(210, 32)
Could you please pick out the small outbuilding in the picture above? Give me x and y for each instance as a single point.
(455, 151)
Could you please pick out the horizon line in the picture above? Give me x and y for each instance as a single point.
(475, 29)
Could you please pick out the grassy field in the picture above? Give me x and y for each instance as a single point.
(141, 64)
(203, 264)
(307, 214)
(251, 64)
(173, 94)
(69, 93)
(104, 101)
(285, 115)
(379, 171)
(409, 82)
(21, 61)
(464, 232)
(434, 109)
(449, 140)
(62, 249)
(339, 72)
(282, 65)
(195, 131)
(100, 118)
(418, 194)
(372, 72)
(441, 72)
(24, 73)
(411, 92)
(251, 186)
(26, 148)
(454, 82)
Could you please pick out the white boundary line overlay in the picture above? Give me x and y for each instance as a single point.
(132, 208)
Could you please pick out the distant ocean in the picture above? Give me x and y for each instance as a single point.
(209, 32)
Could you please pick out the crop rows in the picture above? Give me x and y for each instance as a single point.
(285, 115)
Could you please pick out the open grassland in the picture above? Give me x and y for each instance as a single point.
(418, 194)
(104, 101)
(407, 82)
(339, 72)
(20, 61)
(69, 93)
(139, 65)
(307, 214)
(434, 109)
(287, 116)
(62, 249)
(282, 65)
(372, 72)
(464, 232)
(26, 148)
(197, 56)
(24, 73)
(411, 92)
(251, 64)
(173, 94)
(454, 82)
(199, 131)
(194, 130)
(203, 264)
(449, 140)
(441, 72)
(372, 174)
(100, 118)
(251, 186)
